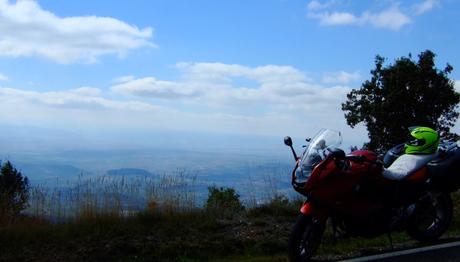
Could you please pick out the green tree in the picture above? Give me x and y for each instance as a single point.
(223, 201)
(400, 95)
(14, 191)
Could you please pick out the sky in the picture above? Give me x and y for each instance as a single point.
(251, 68)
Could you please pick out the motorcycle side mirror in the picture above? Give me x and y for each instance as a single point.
(288, 141)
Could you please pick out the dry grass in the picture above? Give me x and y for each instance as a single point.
(166, 233)
(114, 196)
(161, 218)
(92, 196)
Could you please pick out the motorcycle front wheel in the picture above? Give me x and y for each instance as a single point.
(432, 217)
(305, 238)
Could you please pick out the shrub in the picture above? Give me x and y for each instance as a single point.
(223, 201)
(14, 192)
(279, 205)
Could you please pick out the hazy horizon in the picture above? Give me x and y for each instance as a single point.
(204, 77)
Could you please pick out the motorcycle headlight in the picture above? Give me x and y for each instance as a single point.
(303, 173)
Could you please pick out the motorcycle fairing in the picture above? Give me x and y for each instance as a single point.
(370, 156)
(324, 144)
(335, 188)
(320, 172)
(307, 208)
(418, 176)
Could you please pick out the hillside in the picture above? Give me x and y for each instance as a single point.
(166, 234)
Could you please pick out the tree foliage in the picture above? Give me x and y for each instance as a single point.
(223, 200)
(400, 95)
(14, 191)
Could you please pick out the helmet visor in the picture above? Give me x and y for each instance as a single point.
(417, 142)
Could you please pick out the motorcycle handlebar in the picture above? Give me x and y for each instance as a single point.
(358, 159)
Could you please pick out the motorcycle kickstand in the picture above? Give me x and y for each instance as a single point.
(391, 241)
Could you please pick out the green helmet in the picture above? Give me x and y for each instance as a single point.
(426, 141)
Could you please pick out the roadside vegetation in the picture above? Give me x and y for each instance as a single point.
(92, 223)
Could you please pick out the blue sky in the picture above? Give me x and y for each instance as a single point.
(226, 67)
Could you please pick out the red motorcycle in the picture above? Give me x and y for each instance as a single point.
(350, 191)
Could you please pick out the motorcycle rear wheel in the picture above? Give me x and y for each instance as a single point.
(305, 238)
(432, 217)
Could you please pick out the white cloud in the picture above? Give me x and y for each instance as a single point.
(225, 72)
(28, 30)
(209, 97)
(218, 85)
(86, 109)
(3, 77)
(341, 77)
(316, 5)
(337, 18)
(425, 6)
(392, 18)
(457, 85)
(151, 87)
(122, 79)
(86, 91)
(79, 98)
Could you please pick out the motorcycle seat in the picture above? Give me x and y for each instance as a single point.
(406, 165)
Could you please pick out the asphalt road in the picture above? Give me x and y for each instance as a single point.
(442, 252)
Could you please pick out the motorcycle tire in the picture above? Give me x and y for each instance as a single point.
(305, 238)
(432, 217)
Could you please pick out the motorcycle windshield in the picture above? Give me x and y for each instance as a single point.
(318, 149)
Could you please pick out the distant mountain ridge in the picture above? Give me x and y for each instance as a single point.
(48, 171)
(130, 172)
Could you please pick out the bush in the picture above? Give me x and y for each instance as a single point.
(14, 192)
(279, 205)
(223, 201)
